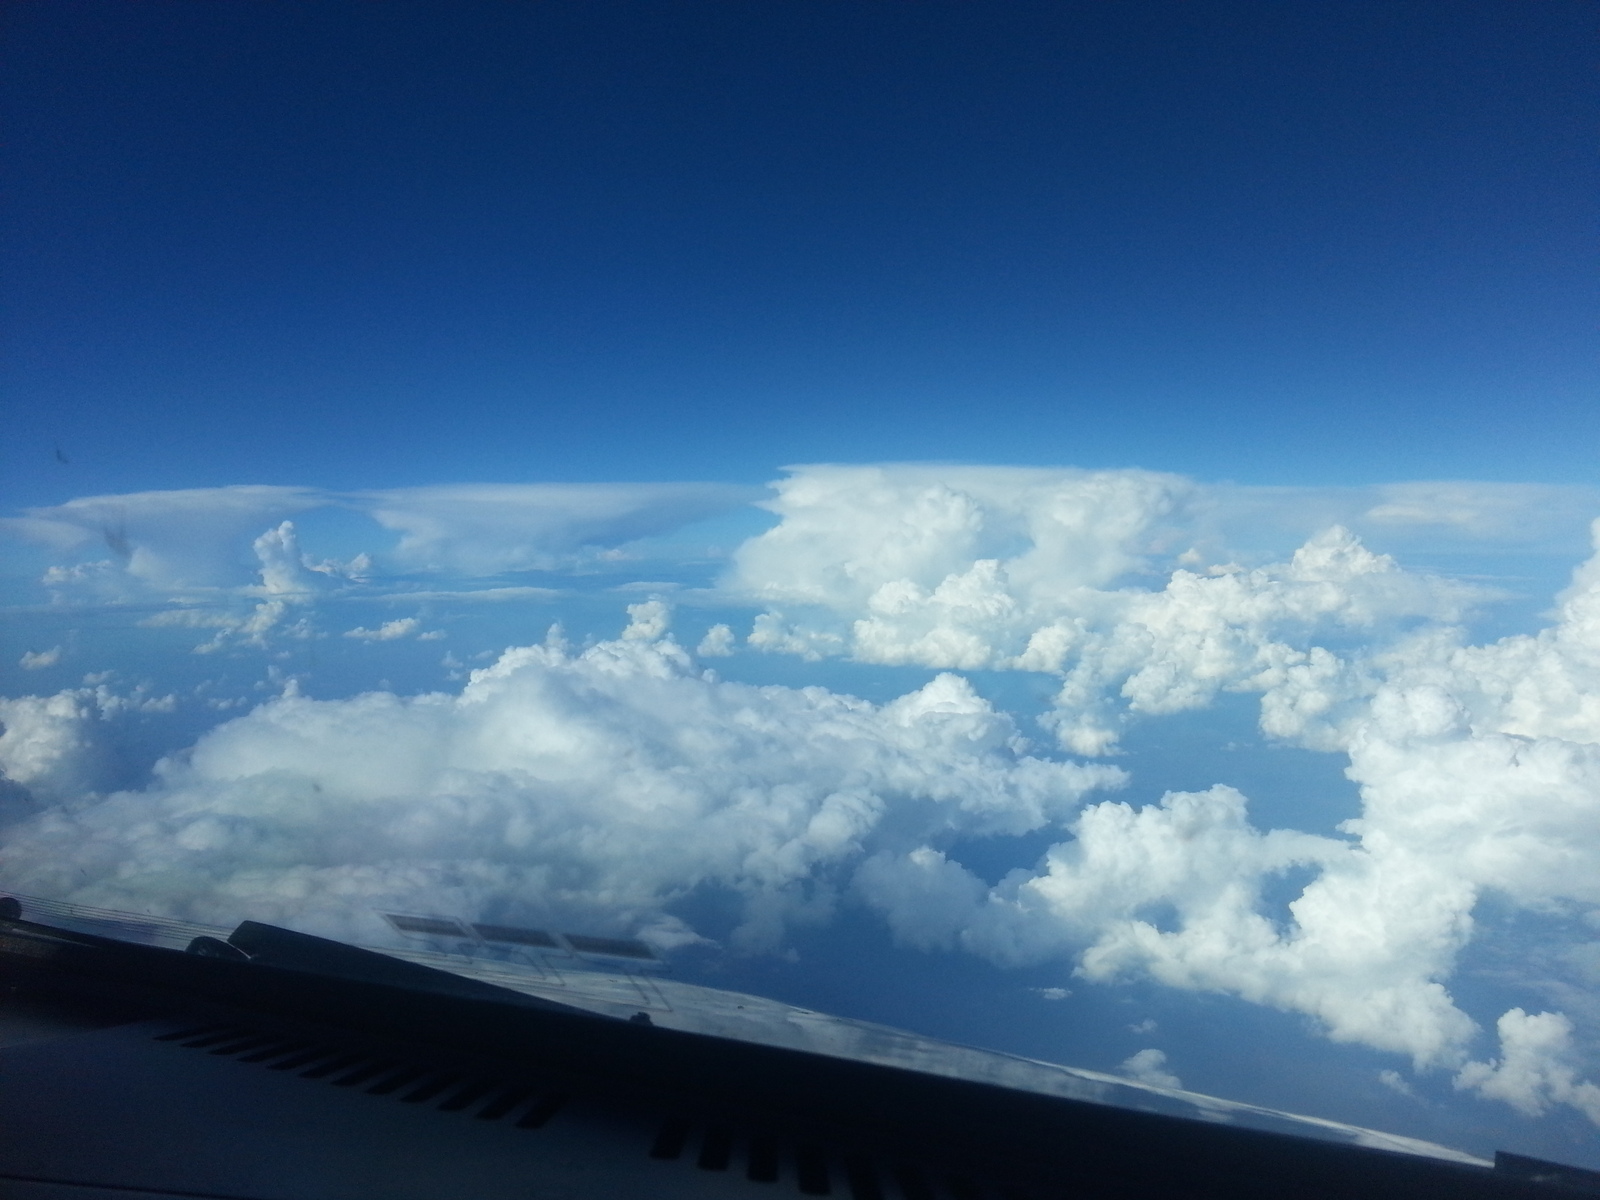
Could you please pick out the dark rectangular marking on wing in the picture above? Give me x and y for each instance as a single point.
(516, 935)
(433, 926)
(616, 947)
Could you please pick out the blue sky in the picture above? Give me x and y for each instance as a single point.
(1052, 525)
(356, 246)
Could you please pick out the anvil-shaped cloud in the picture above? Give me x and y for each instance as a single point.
(203, 538)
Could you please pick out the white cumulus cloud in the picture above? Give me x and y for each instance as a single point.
(58, 747)
(37, 660)
(602, 783)
(719, 642)
(1536, 1068)
(1150, 1066)
(1082, 574)
(389, 631)
(1479, 773)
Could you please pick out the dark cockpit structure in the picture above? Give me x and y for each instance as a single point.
(143, 1057)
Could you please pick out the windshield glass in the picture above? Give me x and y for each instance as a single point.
(1059, 528)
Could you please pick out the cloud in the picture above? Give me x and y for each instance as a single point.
(50, 744)
(1149, 1066)
(1173, 892)
(285, 571)
(847, 533)
(487, 529)
(204, 539)
(873, 543)
(600, 784)
(613, 781)
(387, 632)
(197, 538)
(1395, 1082)
(1522, 514)
(647, 621)
(59, 748)
(255, 626)
(1231, 629)
(1426, 515)
(1479, 771)
(1083, 574)
(288, 584)
(1536, 1068)
(486, 595)
(926, 897)
(718, 642)
(37, 660)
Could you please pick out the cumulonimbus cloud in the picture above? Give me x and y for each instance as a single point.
(211, 538)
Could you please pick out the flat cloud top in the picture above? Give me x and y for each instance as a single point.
(201, 538)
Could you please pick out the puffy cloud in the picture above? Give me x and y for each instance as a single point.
(647, 621)
(389, 631)
(1536, 1067)
(718, 642)
(603, 784)
(1050, 570)
(58, 747)
(1174, 892)
(37, 660)
(773, 634)
(284, 569)
(926, 897)
(288, 583)
(51, 744)
(1232, 629)
(848, 533)
(1395, 1082)
(1479, 771)
(847, 536)
(252, 627)
(1150, 1066)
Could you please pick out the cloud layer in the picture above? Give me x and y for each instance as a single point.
(607, 783)
(204, 539)
(1117, 581)
(602, 783)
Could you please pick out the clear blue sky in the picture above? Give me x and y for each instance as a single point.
(353, 245)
